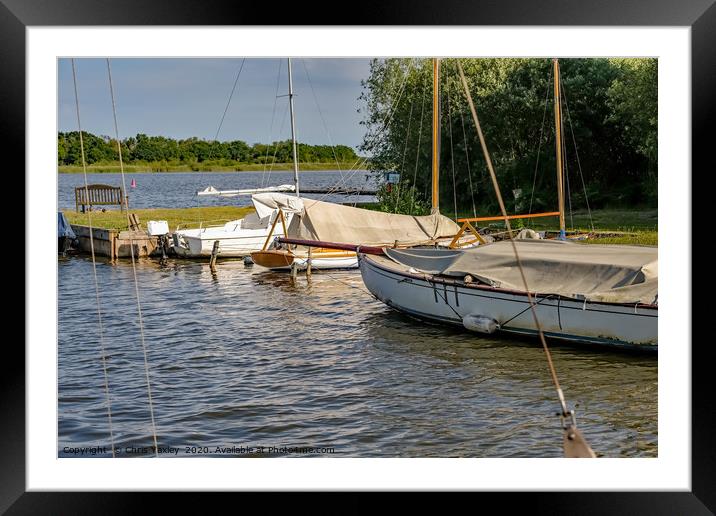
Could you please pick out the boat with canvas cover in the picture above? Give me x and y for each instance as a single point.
(345, 224)
(587, 294)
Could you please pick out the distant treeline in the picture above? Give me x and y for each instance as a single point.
(143, 149)
(609, 132)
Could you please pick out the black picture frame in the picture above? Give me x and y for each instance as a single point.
(700, 15)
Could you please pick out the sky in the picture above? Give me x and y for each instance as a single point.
(181, 98)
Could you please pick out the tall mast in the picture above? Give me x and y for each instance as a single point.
(293, 128)
(436, 135)
(558, 142)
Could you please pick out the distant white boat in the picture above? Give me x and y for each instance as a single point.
(238, 238)
(210, 190)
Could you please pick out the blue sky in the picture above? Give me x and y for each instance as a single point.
(180, 98)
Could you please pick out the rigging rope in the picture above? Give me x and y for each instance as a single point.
(221, 122)
(405, 153)
(417, 150)
(273, 116)
(576, 153)
(571, 432)
(541, 132)
(277, 143)
(452, 150)
(134, 267)
(94, 266)
(467, 161)
(375, 136)
(566, 180)
(323, 121)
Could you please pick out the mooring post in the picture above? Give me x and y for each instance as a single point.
(294, 271)
(214, 254)
(308, 262)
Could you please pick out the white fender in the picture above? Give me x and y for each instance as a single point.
(480, 323)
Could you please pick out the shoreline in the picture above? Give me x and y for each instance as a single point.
(178, 169)
(615, 226)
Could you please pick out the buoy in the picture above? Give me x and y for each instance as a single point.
(134, 184)
(480, 323)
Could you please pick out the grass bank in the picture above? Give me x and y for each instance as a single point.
(608, 226)
(632, 227)
(159, 167)
(186, 217)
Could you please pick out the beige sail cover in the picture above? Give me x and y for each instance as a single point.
(345, 224)
(607, 273)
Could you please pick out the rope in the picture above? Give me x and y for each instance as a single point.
(566, 181)
(417, 149)
(405, 153)
(275, 147)
(216, 136)
(576, 153)
(552, 371)
(467, 161)
(134, 269)
(323, 121)
(452, 150)
(383, 127)
(273, 116)
(539, 146)
(323, 271)
(94, 267)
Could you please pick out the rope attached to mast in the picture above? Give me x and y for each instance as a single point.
(134, 267)
(574, 443)
(94, 266)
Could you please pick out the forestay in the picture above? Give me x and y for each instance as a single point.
(606, 273)
(345, 224)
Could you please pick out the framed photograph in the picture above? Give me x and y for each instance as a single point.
(280, 249)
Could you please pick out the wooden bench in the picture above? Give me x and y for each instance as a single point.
(98, 195)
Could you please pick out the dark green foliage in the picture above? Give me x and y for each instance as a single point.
(145, 149)
(609, 111)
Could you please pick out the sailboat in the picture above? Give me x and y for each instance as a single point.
(606, 294)
(238, 238)
(321, 221)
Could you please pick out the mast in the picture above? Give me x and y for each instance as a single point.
(293, 128)
(436, 135)
(558, 148)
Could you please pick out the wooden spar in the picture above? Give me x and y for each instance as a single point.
(558, 148)
(273, 227)
(510, 217)
(436, 136)
(365, 249)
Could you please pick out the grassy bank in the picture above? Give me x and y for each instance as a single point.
(159, 167)
(186, 217)
(608, 226)
(633, 227)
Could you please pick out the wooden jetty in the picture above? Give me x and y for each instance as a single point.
(116, 244)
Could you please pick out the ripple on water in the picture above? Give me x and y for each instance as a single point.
(247, 358)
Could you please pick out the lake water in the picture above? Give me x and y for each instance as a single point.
(178, 190)
(245, 358)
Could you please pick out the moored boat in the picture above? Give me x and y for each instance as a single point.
(606, 296)
(238, 238)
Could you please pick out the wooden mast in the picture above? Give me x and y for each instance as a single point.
(293, 128)
(436, 136)
(558, 148)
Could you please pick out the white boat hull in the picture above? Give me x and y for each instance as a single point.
(231, 244)
(452, 301)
